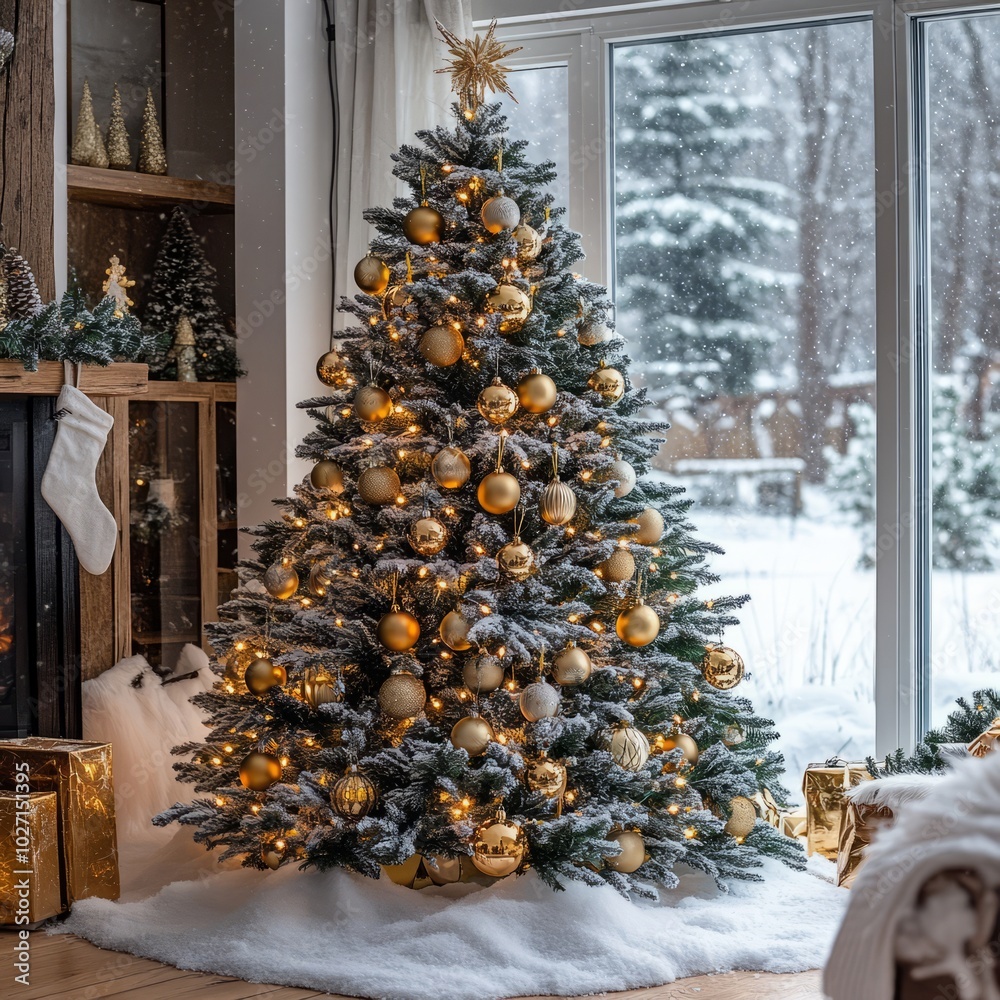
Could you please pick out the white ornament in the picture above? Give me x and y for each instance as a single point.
(626, 477)
(539, 700)
(500, 213)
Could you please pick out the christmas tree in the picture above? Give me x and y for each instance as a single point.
(477, 633)
(184, 286)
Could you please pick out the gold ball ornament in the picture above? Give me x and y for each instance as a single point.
(629, 748)
(371, 275)
(319, 688)
(638, 625)
(571, 666)
(723, 667)
(379, 485)
(330, 369)
(427, 536)
(451, 468)
(454, 632)
(593, 333)
(498, 846)
(536, 391)
(372, 404)
(557, 504)
(499, 213)
(742, 818)
(281, 580)
(327, 475)
(423, 225)
(472, 734)
(539, 701)
(608, 383)
(651, 525)
(442, 346)
(259, 771)
(513, 305)
(497, 403)
(398, 630)
(272, 859)
(618, 567)
(625, 474)
(529, 241)
(442, 870)
(516, 560)
(321, 578)
(354, 795)
(546, 776)
(262, 675)
(633, 852)
(483, 673)
(499, 493)
(402, 696)
(680, 741)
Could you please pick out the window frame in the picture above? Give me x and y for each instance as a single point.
(583, 40)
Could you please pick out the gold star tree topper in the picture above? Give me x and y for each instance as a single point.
(476, 66)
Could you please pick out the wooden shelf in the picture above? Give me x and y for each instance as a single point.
(214, 392)
(128, 189)
(123, 378)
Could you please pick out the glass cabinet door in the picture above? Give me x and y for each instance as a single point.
(225, 472)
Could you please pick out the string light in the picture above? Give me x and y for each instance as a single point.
(690, 832)
(673, 809)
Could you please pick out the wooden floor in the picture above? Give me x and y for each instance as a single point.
(66, 968)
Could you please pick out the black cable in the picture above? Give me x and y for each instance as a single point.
(332, 82)
(6, 108)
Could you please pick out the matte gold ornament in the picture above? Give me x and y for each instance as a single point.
(516, 559)
(354, 795)
(454, 632)
(571, 666)
(319, 688)
(330, 369)
(259, 771)
(529, 241)
(513, 305)
(499, 492)
(472, 734)
(442, 346)
(398, 630)
(262, 675)
(680, 741)
(633, 852)
(451, 468)
(372, 404)
(743, 817)
(618, 567)
(608, 383)
(546, 776)
(723, 667)
(483, 673)
(651, 526)
(539, 701)
(638, 625)
(536, 391)
(497, 403)
(498, 846)
(371, 275)
(327, 475)
(427, 536)
(423, 225)
(321, 578)
(629, 748)
(379, 485)
(594, 332)
(625, 474)
(281, 580)
(500, 213)
(402, 696)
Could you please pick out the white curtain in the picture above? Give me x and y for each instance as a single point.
(385, 54)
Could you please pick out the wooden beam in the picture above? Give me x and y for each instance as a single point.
(27, 167)
(124, 378)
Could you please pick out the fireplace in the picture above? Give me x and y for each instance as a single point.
(39, 594)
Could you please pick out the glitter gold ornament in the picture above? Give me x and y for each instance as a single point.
(618, 567)
(638, 625)
(398, 630)
(498, 846)
(539, 701)
(594, 332)
(499, 213)
(401, 696)
(379, 485)
(482, 673)
(371, 275)
(423, 225)
(259, 771)
(262, 675)
(546, 776)
(536, 391)
(680, 741)
(354, 795)
(497, 403)
(427, 536)
(372, 404)
(571, 666)
(454, 631)
(451, 468)
(608, 383)
(472, 734)
(280, 579)
(633, 852)
(650, 523)
(625, 474)
(723, 667)
(513, 305)
(629, 748)
(330, 369)
(319, 688)
(742, 818)
(327, 475)
(499, 492)
(529, 242)
(321, 578)
(441, 346)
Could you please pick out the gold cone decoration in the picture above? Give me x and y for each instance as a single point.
(119, 151)
(152, 155)
(88, 144)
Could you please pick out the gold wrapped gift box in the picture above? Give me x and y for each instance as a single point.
(80, 775)
(29, 858)
(823, 787)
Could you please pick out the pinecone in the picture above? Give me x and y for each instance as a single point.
(23, 300)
